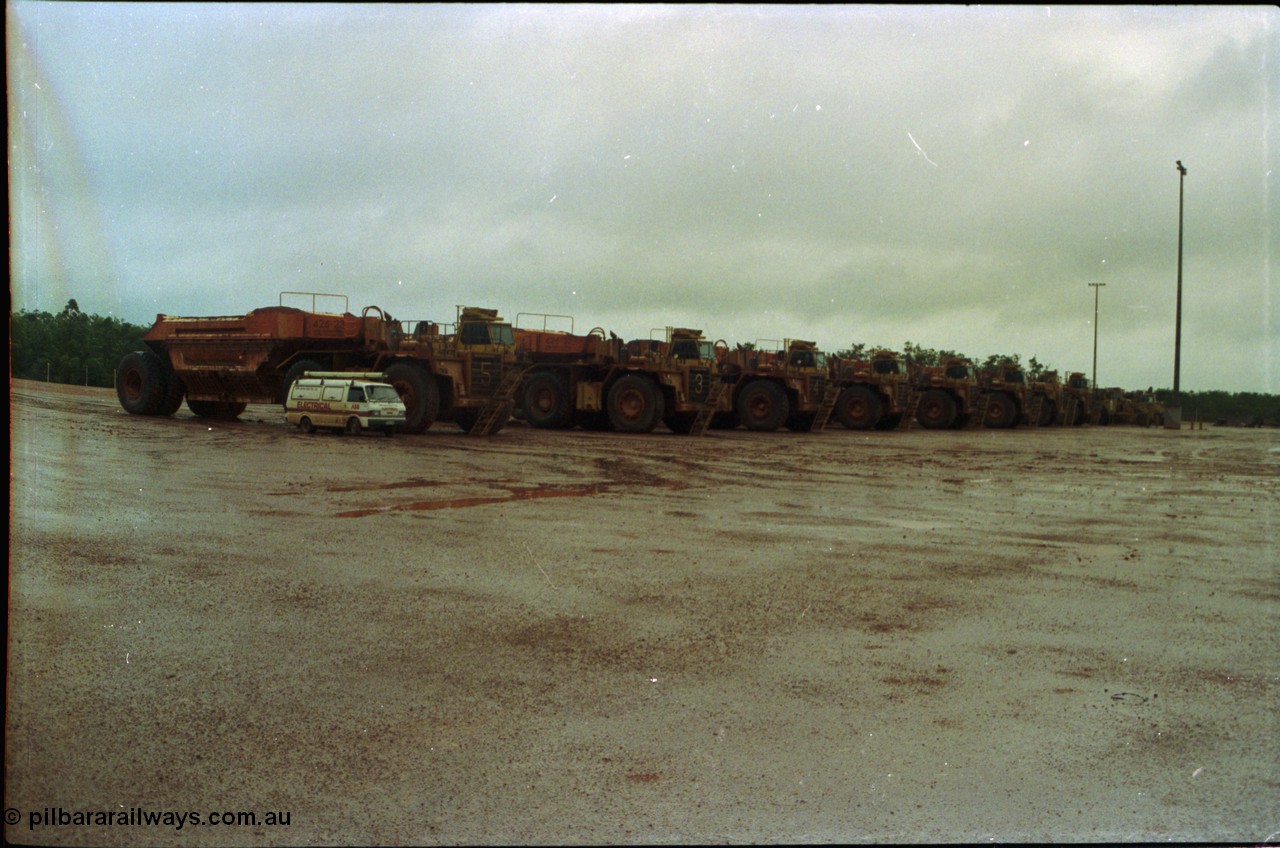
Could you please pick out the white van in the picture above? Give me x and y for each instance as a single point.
(345, 401)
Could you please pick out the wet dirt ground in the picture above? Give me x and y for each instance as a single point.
(578, 637)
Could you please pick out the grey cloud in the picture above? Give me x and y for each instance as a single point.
(874, 173)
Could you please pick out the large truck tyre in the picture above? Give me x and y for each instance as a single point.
(937, 410)
(858, 408)
(1048, 413)
(419, 393)
(141, 383)
(635, 404)
(295, 372)
(174, 392)
(762, 406)
(546, 402)
(1002, 411)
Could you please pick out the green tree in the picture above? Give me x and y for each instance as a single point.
(856, 350)
(1035, 370)
(918, 355)
(997, 358)
(70, 347)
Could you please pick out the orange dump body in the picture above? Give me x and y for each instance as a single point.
(240, 357)
(549, 343)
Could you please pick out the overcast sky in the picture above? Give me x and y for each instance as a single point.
(951, 176)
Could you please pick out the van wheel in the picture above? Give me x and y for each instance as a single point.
(353, 426)
(306, 426)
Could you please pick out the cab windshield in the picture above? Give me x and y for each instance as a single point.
(478, 333)
(381, 394)
(692, 349)
(890, 366)
(959, 372)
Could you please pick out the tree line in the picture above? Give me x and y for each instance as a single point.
(71, 346)
(82, 349)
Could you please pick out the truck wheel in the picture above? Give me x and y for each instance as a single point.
(353, 426)
(295, 372)
(545, 400)
(306, 426)
(1002, 412)
(140, 383)
(937, 410)
(419, 393)
(1047, 413)
(174, 393)
(635, 404)
(762, 406)
(858, 408)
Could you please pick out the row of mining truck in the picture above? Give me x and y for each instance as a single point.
(480, 370)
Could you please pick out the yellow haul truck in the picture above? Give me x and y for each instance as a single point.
(783, 385)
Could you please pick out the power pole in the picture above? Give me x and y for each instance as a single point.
(1095, 287)
(1177, 333)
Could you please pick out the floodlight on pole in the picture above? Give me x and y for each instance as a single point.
(1095, 287)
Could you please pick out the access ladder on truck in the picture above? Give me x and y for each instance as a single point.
(979, 417)
(913, 404)
(708, 410)
(824, 412)
(1033, 413)
(491, 416)
(1069, 411)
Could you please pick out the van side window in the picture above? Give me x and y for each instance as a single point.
(355, 395)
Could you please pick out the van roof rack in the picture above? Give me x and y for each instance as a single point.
(346, 375)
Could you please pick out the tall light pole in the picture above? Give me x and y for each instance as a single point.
(1177, 333)
(1095, 287)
